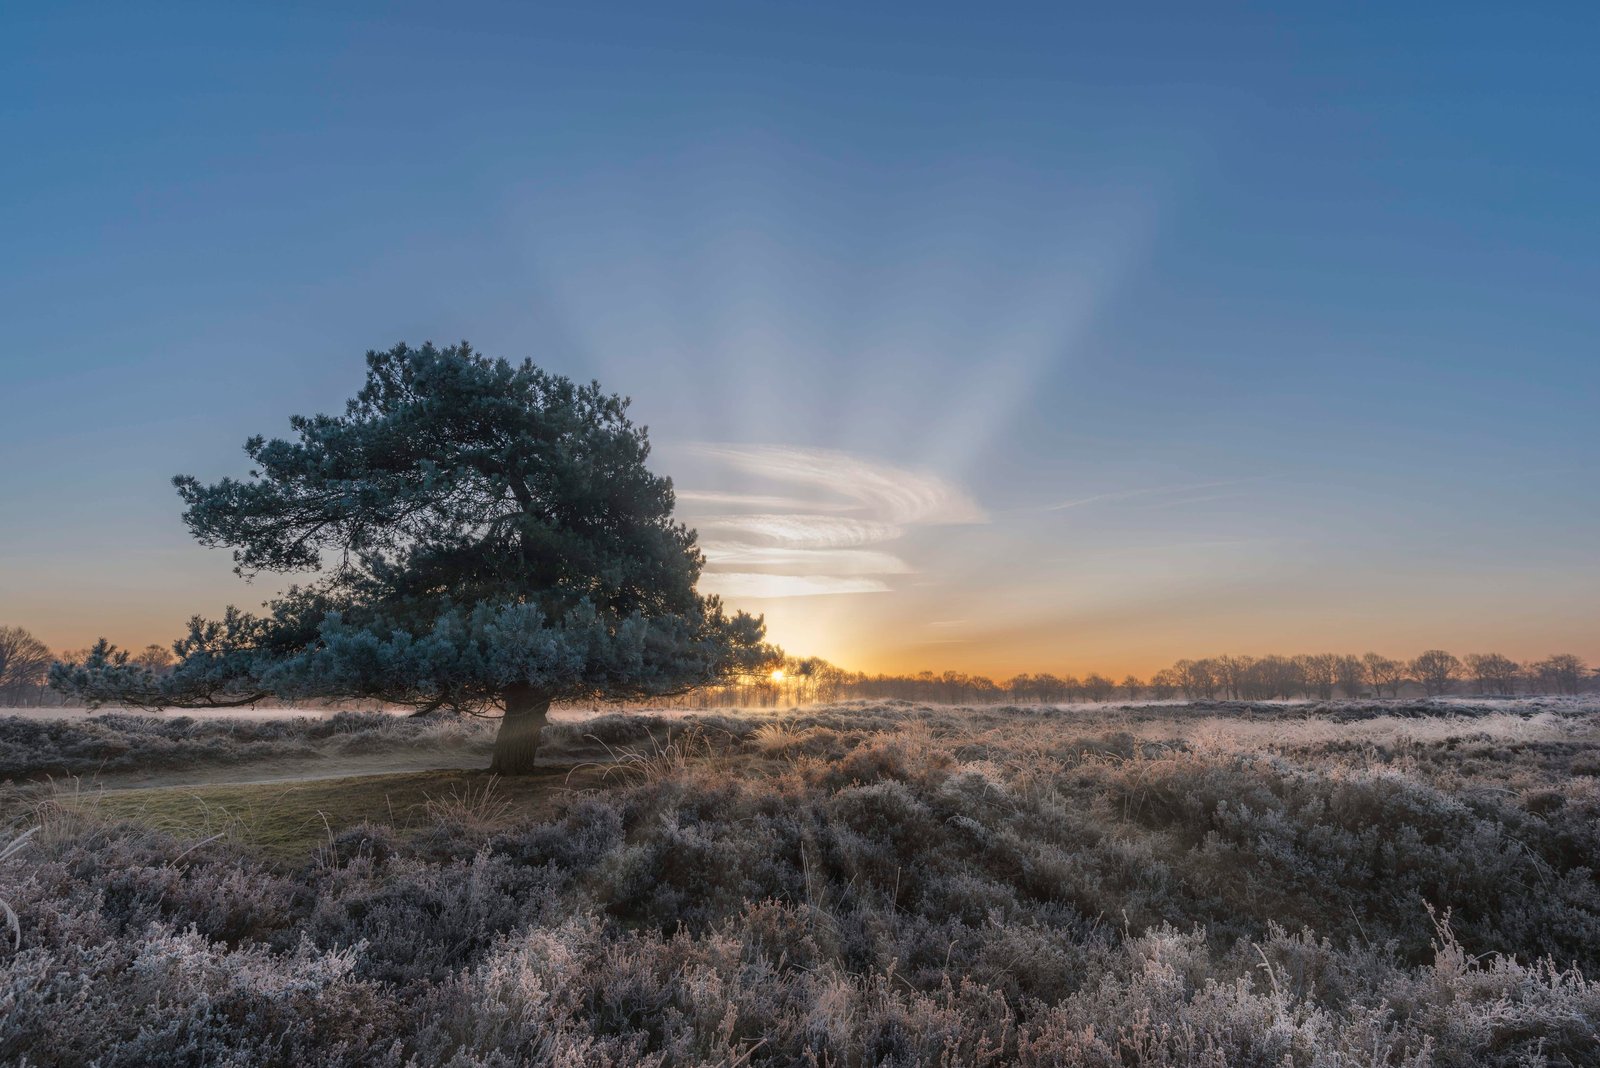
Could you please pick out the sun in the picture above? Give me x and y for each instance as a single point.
(777, 674)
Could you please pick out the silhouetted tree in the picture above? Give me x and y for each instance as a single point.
(154, 658)
(1096, 687)
(1320, 672)
(1435, 670)
(1494, 673)
(497, 543)
(1276, 676)
(816, 680)
(1247, 678)
(1197, 677)
(1562, 673)
(1384, 674)
(1050, 689)
(24, 660)
(1352, 675)
(1232, 674)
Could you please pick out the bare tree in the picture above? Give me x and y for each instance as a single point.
(1352, 674)
(1233, 674)
(1384, 674)
(1197, 677)
(1276, 676)
(1561, 673)
(154, 658)
(1436, 670)
(984, 690)
(1098, 688)
(1250, 678)
(1320, 671)
(1051, 690)
(1494, 673)
(24, 660)
(1164, 684)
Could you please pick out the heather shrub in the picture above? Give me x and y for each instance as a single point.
(416, 921)
(176, 997)
(613, 729)
(866, 885)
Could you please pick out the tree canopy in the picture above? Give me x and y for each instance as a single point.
(488, 536)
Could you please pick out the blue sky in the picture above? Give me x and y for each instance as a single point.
(1294, 313)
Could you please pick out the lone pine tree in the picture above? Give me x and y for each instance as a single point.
(487, 536)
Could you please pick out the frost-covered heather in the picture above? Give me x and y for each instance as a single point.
(119, 742)
(879, 884)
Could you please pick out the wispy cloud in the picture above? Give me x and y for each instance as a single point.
(802, 531)
(756, 501)
(817, 544)
(892, 493)
(732, 555)
(754, 586)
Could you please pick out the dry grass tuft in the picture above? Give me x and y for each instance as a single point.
(477, 808)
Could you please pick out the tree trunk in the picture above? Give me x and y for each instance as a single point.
(518, 740)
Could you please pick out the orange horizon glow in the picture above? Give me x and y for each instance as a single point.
(984, 594)
(1002, 656)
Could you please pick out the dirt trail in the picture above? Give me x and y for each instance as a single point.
(274, 772)
(289, 820)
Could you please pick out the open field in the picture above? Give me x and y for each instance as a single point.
(1223, 884)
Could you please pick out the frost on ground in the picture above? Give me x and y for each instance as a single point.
(1350, 884)
(123, 748)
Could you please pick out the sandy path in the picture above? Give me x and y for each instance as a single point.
(269, 772)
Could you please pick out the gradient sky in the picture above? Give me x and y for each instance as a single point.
(991, 337)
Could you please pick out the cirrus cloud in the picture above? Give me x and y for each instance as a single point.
(756, 585)
(801, 531)
(819, 544)
(895, 494)
(730, 555)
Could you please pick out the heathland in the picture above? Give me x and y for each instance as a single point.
(1218, 883)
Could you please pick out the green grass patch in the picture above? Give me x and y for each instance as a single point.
(288, 821)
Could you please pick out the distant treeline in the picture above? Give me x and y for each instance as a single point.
(1322, 676)
(25, 662)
